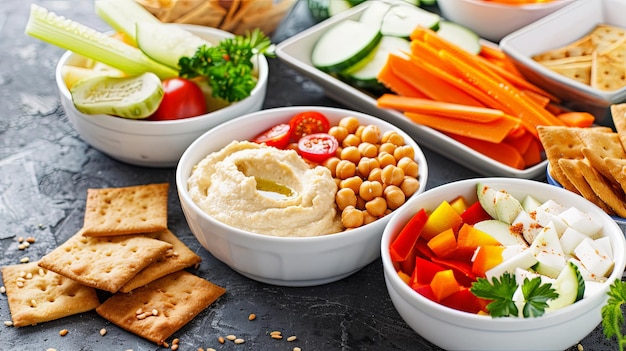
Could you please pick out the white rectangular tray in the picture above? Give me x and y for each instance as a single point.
(296, 53)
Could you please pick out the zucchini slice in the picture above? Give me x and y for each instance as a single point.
(460, 35)
(343, 45)
(403, 18)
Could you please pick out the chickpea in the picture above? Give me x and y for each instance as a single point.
(351, 140)
(392, 175)
(395, 196)
(377, 206)
(366, 165)
(331, 164)
(370, 134)
(345, 197)
(394, 138)
(369, 190)
(409, 166)
(351, 153)
(387, 147)
(368, 149)
(339, 132)
(404, 151)
(375, 175)
(345, 169)
(351, 217)
(409, 186)
(351, 123)
(368, 218)
(353, 183)
(359, 131)
(386, 159)
(360, 203)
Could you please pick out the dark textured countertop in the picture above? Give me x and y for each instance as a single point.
(45, 170)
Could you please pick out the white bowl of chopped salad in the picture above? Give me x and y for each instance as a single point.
(155, 143)
(477, 244)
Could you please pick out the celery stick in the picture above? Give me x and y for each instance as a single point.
(123, 15)
(83, 40)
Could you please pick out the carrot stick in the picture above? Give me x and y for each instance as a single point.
(445, 109)
(491, 52)
(542, 100)
(517, 104)
(521, 142)
(397, 84)
(501, 152)
(433, 87)
(577, 119)
(532, 155)
(494, 131)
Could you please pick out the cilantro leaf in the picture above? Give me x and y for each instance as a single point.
(536, 296)
(612, 315)
(500, 291)
(228, 67)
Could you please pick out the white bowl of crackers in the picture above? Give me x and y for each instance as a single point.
(235, 16)
(590, 162)
(582, 62)
(273, 214)
(125, 255)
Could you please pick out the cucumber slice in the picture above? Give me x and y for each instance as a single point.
(570, 286)
(375, 13)
(366, 75)
(343, 45)
(123, 14)
(130, 97)
(403, 18)
(460, 35)
(88, 42)
(167, 43)
(338, 6)
(324, 9)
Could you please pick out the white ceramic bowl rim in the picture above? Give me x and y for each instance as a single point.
(460, 318)
(161, 127)
(529, 7)
(181, 182)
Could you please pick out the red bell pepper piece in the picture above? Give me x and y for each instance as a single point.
(424, 271)
(401, 246)
(464, 300)
(462, 269)
(474, 214)
(425, 291)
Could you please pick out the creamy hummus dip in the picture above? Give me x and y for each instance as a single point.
(265, 190)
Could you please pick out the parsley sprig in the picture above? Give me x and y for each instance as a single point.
(500, 292)
(612, 315)
(228, 66)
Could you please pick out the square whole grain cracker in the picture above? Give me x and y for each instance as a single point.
(607, 74)
(560, 143)
(37, 295)
(105, 263)
(605, 36)
(176, 298)
(598, 147)
(617, 166)
(618, 115)
(175, 259)
(126, 210)
(603, 188)
(571, 170)
(583, 46)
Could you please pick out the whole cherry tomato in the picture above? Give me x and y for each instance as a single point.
(309, 122)
(317, 147)
(182, 98)
(277, 136)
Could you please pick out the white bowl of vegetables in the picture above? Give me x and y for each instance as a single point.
(133, 102)
(458, 257)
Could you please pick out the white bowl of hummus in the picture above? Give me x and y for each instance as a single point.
(295, 238)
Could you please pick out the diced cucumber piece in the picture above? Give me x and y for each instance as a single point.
(123, 14)
(130, 97)
(460, 35)
(167, 43)
(365, 76)
(85, 41)
(570, 286)
(402, 19)
(343, 45)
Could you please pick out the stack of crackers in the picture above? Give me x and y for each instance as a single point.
(126, 249)
(235, 16)
(598, 59)
(590, 161)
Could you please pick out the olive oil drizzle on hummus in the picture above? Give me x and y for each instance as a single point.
(274, 190)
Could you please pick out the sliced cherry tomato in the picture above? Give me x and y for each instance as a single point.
(182, 98)
(317, 147)
(277, 136)
(309, 122)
